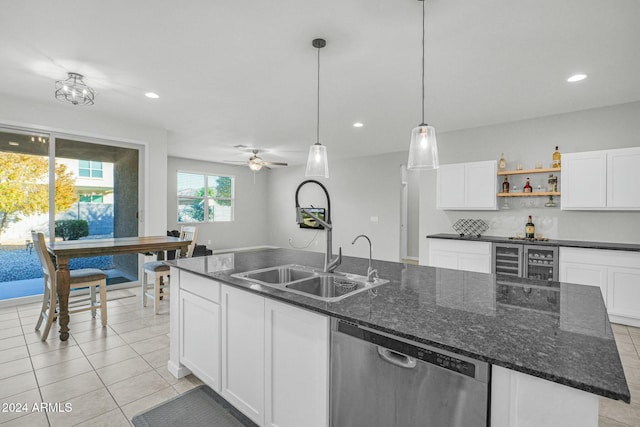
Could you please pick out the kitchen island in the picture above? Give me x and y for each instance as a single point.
(550, 344)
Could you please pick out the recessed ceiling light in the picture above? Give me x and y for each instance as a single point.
(358, 125)
(152, 95)
(577, 78)
(15, 144)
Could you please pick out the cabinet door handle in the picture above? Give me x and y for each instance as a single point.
(395, 358)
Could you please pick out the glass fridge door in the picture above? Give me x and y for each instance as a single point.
(507, 259)
(541, 262)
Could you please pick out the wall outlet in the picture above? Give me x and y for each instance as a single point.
(209, 242)
(374, 219)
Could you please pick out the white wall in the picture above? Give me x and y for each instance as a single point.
(250, 224)
(89, 122)
(359, 188)
(529, 141)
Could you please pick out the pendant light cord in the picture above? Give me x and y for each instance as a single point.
(423, 19)
(318, 106)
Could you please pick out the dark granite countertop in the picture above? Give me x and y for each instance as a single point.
(566, 243)
(556, 331)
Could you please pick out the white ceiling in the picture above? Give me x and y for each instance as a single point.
(244, 72)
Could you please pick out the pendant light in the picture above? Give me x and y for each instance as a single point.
(317, 163)
(423, 151)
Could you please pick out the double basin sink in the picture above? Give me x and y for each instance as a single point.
(310, 281)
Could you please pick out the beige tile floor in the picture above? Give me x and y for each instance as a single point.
(107, 375)
(110, 374)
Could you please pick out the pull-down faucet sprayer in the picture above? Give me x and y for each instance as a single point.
(329, 263)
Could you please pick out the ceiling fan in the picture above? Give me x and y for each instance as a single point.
(256, 163)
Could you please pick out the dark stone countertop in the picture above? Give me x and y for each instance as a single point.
(565, 243)
(555, 331)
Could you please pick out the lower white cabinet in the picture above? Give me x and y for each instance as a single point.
(297, 366)
(617, 273)
(243, 352)
(275, 360)
(200, 338)
(522, 400)
(460, 255)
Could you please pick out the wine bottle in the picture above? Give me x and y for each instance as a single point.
(527, 187)
(505, 185)
(530, 229)
(556, 158)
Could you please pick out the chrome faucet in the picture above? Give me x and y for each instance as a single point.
(371, 273)
(329, 263)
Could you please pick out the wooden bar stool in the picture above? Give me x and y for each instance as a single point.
(159, 287)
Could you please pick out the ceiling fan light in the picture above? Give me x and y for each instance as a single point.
(317, 162)
(255, 164)
(423, 151)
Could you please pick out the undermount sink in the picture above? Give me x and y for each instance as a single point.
(278, 275)
(310, 282)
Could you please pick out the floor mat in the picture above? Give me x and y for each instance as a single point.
(200, 406)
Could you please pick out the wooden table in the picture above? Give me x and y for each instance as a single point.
(64, 251)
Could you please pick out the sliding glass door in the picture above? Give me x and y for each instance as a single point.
(68, 189)
(24, 206)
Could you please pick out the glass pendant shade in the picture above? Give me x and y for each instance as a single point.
(317, 163)
(423, 151)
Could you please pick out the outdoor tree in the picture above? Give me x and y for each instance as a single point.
(24, 187)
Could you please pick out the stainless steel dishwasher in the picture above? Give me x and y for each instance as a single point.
(380, 381)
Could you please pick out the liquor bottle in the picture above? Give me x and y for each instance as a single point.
(530, 229)
(527, 187)
(556, 158)
(502, 163)
(505, 185)
(553, 183)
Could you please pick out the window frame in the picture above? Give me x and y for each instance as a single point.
(206, 198)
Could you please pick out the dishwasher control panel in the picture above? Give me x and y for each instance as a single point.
(426, 355)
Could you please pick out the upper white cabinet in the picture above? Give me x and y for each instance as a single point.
(601, 180)
(467, 186)
(460, 255)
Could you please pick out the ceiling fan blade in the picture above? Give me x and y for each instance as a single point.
(235, 162)
(275, 164)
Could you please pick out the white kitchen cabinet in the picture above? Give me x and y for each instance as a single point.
(601, 180)
(297, 366)
(460, 255)
(617, 273)
(200, 338)
(623, 179)
(275, 360)
(467, 186)
(243, 352)
(522, 400)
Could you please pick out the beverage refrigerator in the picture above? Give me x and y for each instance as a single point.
(522, 260)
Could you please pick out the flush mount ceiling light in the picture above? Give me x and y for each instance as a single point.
(423, 151)
(74, 90)
(358, 125)
(152, 95)
(317, 163)
(576, 78)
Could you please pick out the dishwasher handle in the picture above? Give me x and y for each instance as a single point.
(395, 358)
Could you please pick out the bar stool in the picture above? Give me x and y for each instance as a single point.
(81, 278)
(159, 288)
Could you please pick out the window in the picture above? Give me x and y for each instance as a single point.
(89, 169)
(204, 198)
(95, 198)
